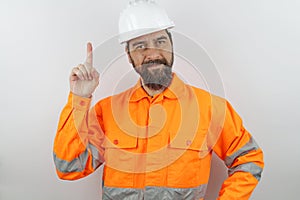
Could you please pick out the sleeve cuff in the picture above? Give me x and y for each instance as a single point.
(78, 102)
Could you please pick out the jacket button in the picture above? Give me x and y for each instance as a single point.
(188, 142)
(82, 103)
(116, 142)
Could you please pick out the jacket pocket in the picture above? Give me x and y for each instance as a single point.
(120, 140)
(120, 151)
(188, 160)
(189, 141)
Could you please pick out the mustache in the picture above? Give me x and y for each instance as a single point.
(155, 62)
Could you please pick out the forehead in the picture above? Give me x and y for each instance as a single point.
(150, 36)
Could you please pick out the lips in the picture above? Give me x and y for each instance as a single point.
(153, 64)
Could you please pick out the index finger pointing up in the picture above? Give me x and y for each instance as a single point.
(89, 58)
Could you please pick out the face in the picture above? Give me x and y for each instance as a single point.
(152, 57)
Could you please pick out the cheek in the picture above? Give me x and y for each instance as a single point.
(168, 51)
(137, 59)
(168, 56)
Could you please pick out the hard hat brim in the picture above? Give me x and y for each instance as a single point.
(125, 37)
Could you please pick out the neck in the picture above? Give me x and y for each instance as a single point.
(151, 92)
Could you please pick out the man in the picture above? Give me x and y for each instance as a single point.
(155, 138)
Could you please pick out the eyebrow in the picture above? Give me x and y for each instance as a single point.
(162, 37)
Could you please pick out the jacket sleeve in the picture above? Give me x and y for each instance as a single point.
(242, 156)
(77, 149)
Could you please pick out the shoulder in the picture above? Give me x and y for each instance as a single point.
(206, 96)
(119, 97)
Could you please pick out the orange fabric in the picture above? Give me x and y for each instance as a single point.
(166, 140)
(238, 186)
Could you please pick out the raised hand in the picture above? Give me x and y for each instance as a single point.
(84, 78)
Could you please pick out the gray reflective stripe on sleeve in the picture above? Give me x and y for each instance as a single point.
(249, 146)
(97, 158)
(153, 193)
(78, 164)
(251, 167)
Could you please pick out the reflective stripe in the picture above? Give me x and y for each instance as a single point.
(112, 193)
(153, 193)
(251, 167)
(97, 158)
(250, 146)
(78, 164)
(175, 193)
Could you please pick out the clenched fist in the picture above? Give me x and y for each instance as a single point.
(84, 78)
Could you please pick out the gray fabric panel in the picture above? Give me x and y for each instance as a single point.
(252, 168)
(154, 193)
(112, 193)
(76, 165)
(250, 146)
(163, 193)
(97, 158)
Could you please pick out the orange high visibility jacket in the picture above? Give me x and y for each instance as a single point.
(157, 147)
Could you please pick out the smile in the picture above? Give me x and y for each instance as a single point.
(155, 66)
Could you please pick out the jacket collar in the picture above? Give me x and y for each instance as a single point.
(174, 91)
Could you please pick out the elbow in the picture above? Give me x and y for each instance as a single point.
(70, 170)
(71, 176)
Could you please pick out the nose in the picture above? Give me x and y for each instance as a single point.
(152, 54)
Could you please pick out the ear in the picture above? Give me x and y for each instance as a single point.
(128, 54)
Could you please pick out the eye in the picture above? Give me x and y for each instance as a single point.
(161, 42)
(140, 46)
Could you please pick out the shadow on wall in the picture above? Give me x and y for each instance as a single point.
(218, 174)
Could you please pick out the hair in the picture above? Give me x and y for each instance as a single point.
(170, 36)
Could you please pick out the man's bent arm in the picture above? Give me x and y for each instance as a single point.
(242, 156)
(77, 148)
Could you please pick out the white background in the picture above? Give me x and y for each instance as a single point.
(254, 44)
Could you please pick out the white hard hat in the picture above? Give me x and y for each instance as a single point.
(142, 17)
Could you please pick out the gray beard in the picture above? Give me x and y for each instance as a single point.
(155, 79)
